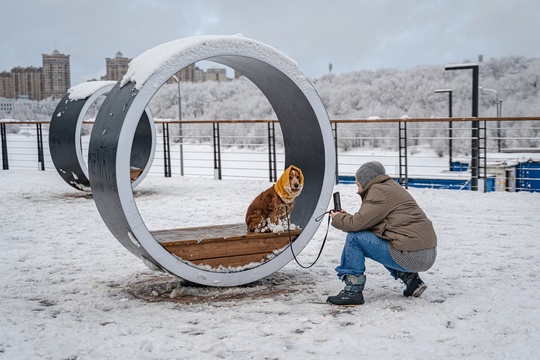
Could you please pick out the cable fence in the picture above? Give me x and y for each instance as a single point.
(450, 153)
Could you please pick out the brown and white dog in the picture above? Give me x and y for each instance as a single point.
(268, 211)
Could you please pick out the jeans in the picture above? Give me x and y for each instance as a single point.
(360, 245)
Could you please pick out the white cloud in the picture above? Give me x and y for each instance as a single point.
(350, 34)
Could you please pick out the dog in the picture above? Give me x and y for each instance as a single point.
(270, 210)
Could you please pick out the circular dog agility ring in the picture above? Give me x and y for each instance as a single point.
(65, 135)
(305, 125)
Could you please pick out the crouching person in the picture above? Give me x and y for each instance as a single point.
(389, 228)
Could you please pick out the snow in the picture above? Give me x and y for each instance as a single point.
(196, 48)
(87, 89)
(70, 290)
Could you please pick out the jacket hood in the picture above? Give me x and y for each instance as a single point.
(283, 186)
(378, 179)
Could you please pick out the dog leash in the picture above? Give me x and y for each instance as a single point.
(319, 218)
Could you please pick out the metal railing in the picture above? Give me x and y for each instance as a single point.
(434, 152)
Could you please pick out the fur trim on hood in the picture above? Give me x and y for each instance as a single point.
(283, 186)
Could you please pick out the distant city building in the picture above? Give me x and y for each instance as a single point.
(36, 83)
(53, 79)
(216, 74)
(116, 67)
(56, 75)
(200, 75)
(22, 82)
(190, 73)
(6, 106)
(27, 82)
(7, 89)
(237, 74)
(187, 73)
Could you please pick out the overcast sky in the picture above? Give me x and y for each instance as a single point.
(351, 34)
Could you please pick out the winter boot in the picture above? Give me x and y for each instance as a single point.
(415, 285)
(352, 293)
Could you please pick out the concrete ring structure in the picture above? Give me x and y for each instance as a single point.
(305, 125)
(65, 135)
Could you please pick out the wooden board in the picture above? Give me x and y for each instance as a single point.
(134, 173)
(222, 245)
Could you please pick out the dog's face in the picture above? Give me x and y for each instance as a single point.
(294, 187)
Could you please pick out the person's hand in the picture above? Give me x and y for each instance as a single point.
(334, 213)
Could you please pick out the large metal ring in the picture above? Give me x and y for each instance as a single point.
(307, 136)
(65, 135)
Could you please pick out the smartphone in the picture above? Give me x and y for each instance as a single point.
(337, 202)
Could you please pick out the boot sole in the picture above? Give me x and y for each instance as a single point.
(348, 305)
(419, 290)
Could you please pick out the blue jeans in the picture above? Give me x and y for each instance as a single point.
(360, 245)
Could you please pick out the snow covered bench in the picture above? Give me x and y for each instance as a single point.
(222, 245)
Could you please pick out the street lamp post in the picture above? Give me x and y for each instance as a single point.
(180, 127)
(475, 133)
(449, 91)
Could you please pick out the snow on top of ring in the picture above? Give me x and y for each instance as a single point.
(87, 89)
(197, 48)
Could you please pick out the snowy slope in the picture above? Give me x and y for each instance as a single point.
(69, 290)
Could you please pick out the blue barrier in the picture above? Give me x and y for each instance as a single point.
(448, 184)
(459, 166)
(528, 176)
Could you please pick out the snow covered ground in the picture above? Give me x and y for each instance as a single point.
(69, 290)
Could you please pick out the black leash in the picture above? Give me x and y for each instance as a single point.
(319, 218)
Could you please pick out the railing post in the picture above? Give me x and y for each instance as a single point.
(272, 176)
(475, 135)
(450, 146)
(499, 114)
(498, 136)
(450, 125)
(39, 134)
(334, 130)
(217, 151)
(181, 136)
(482, 156)
(166, 150)
(403, 166)
(3, 136)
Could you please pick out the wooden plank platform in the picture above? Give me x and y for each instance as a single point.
(222, 245)
(134, 173)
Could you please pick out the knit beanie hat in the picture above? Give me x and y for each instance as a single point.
(368, 172)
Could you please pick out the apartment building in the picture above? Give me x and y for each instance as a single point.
(216, 74)
(53, 79)
(6, 106)
(6, 85)
(56, 75)
(22, 82)
(37, 83)
(116, 67)
(26, 82)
